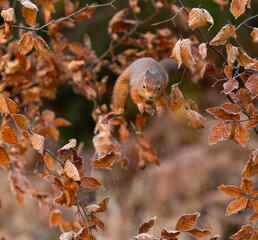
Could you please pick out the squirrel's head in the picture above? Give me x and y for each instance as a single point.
(151, 85)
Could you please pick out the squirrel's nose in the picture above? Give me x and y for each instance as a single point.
(150, 96)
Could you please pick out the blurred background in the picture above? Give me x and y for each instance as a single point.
(190, 169)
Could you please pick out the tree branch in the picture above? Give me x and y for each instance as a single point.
(248, 19)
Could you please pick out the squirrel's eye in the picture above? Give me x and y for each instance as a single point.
(143, 86)
(159, 89)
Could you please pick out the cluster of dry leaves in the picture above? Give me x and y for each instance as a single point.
(28, 76)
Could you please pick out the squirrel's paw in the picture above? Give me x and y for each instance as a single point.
(160, 110)
(149, 109)
(141, 107)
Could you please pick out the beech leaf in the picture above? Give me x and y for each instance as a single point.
(71, 171)
(175, 99)
(236, 205)
(199, 17)
(187, 222)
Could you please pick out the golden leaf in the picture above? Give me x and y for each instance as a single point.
(8, 135)
(22, 123)
(221, 37)
(187, 222)
(241, 134)
(246, 186)
(4, 158)
(231, 191)
(50, 162)
(25, 44)
(7, 105)
(195, 119)
(186, 53)
(41, 46)
(90, 183)
(237, 7)
(203, 50)
(71, 171)
(175, 99)
(176, 53)
(219, 132)
(254, 35)
(29, 11)
(236, 205)
(37, 142)
(199, 17)
(8, 16)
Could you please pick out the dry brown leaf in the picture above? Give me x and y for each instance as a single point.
(232, 53)
(103, 205)
(29, 11)
(37, 142)
(228, 70)
(241, 134)
(236, 205)
(54, 217)
(50, 162)
(134, 6)
(231, 108)
(92, 208)
(254, 217)
(176, 53)
(4, 158)
(169, 234)
(199, 17)
(203, 69)
(200, 234)
(140, 121)
(250, 169)
(71, 171)
(7, 105)
(41, 46)
(251, 124)
(219, 132)
(246, 101)
(187, 222)
(9, 17)
(246, 186)
(203, 50)
(232, 31)
(105, 161)
(237, 7)
(144, 236)
(254, 35)
(90, 183)
(71, 144)
(175, 99)
(186, 53)
(195, 119)
(231, 191)
(22, 123)
(193, 106)
(252, 85)
(25, 44)
(8, 135)
(221, 114)
(145, 226)
(244, 60)
(221, 37)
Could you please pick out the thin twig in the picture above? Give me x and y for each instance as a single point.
(3, 61)
(64, 18)
(248, 19)
(155, 24)
(53, 156)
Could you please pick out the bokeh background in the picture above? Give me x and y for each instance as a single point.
(190, 169)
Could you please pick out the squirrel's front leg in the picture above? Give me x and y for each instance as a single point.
(160, 103)
(138, 99)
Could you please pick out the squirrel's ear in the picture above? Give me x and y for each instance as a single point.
(157, 74)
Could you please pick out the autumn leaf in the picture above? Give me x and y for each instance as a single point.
(241, 134)
(203, 70)
(254, 35)
(8, 135)
(219, 132)
(199, 17)
(105, 161)
(37, 142)
(144, 236)
(252, 85)
(175, 99)
(195, 119)
(221, 37)
(9, 17)
(90, 183)
(246, 186)
(221, 114)
(251, 124)
(41, 46)
(176, 53)
(103, 205)
(236, 205)
(254, 217)
(4, 158)
(29, 11)
(244, 233)
(145, 226)
(244, 59)
(187, 222)
(231, 108)
(22, 123)
(71, 144)
(203, 50)
(50, 162)
(169, 234)
(231, 191)
(200, 234)
(237, 7)
(186, 53)
(140, 121)
(250, 169)
(7, 105)
(54, 217)
(232, 53)
(25, 44)
(71, 171)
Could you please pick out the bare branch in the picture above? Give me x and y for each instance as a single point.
(248, 19)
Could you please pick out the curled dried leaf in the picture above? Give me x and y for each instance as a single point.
(4, 158)
(221, 37)
(186, 54)
(254, 35)
(203, 50)
(246, 186)
(169, 234)
(29, 11)
(145, 226)
(7, 105)
(37, 142)
(195, 119)
(176, 53)
(105, 161)
(199, 17)
(175, 99)
(9, 17)
(237, 7)
(71, 171)
(187, 222)
(25, 44)
(22, 123)
(90, 183)
(41, 46)
(50, 162)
